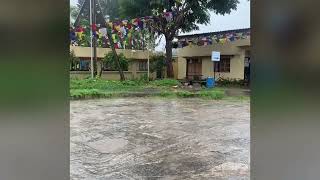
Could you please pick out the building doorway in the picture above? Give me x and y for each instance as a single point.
(194, 69)
(247, 70)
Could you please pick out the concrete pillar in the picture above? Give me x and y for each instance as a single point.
(133, 67)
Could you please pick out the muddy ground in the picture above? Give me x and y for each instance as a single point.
(150, 138)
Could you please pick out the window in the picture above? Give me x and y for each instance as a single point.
(84, 65)
(142, 66)
(81, 65)
(223, 65)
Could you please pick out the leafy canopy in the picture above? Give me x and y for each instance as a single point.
(188, 13)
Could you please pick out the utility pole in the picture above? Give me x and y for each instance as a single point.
(94, 19)
(148, 64)
(91, 39)
(93, 7)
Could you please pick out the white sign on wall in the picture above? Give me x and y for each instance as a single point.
(215, 56)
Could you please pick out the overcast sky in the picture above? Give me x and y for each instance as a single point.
(235, 20)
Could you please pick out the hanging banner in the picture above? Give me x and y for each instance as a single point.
(221, 38)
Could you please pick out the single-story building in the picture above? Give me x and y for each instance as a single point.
(193, 55)
(138, 64)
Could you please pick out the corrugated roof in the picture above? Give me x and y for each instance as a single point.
(214, 33)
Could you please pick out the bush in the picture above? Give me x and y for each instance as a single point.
(229, 82)
(157, 64)
(111, 63)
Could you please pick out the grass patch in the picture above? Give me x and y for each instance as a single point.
(238, 98)
(99, 84)
(212, 94)
(185, 94)
(165, 83)
(167, 94)
(90, 93)
(98, 88)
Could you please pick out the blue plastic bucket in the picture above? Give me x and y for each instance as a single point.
(210, 82)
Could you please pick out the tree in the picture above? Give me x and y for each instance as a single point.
(80, 2)
(74, 11)
(118, 63)
(115, 55)
(110, 8)
(186, 15)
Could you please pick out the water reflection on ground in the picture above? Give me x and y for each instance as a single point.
(142, 138)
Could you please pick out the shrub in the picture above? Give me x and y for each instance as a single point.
(157, 64)
(229, 82)
(110, 62)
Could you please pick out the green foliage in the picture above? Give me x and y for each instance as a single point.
(228, 82)
(212, 94)
(167, 94)
(98, 88)
(157, 63)
(185, 94)
(188, 14)
(110, 8)
(144, 78)
(111, 63)
(104, 84)
(81, 93)
(74, 11)
(86, 40)
(165, 82)
(193, 11)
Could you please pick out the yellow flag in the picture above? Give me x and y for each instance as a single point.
(118, 28)
(223, 40)
(110, 24)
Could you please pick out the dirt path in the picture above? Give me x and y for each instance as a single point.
(139, 138)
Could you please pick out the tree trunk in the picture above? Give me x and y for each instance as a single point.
(170, 73)
(101, 69)
(94, 40)
(122, 77)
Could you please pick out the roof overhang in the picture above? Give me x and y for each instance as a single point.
(225, 55)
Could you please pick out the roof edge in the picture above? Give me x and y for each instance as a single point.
(214, 33)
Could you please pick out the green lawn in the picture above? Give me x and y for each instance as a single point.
(97, 88)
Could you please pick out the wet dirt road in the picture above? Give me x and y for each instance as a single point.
(169, 139)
